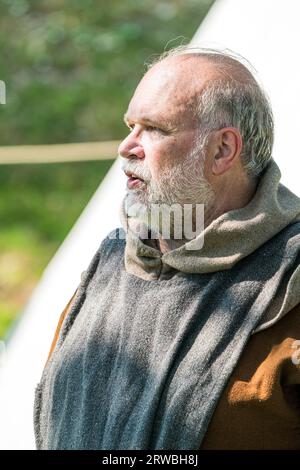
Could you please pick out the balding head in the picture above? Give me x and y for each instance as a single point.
(223, 91)
(193, 65)
(171, 88)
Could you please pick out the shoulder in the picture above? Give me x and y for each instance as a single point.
(275, 351)
(110, 248)
(114, 239)
(287, 327)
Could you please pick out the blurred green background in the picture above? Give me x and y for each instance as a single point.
(70, 68)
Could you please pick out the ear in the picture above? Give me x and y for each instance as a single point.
(226, 146)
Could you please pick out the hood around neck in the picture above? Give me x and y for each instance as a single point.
(229, 238)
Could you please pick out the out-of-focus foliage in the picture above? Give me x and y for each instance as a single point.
(70, 66)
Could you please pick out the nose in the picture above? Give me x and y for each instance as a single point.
(131, 147)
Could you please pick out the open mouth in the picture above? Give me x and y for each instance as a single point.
(133, 180)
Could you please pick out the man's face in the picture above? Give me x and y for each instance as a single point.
(164, 148)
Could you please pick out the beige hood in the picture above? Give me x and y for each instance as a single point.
(228, 239)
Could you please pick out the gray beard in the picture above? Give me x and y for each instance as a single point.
(183, 184)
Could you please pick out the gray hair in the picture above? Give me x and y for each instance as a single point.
(233, 99)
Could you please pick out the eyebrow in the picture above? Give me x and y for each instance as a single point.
(150, 121)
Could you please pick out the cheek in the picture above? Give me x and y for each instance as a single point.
(163, 155)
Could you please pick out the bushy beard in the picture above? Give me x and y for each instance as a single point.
(183, 184)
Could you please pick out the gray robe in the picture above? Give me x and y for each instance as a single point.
(141, 364)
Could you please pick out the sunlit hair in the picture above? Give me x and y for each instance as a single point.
(233, 99)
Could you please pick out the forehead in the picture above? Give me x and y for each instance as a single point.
(168, 90)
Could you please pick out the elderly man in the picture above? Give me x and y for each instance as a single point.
(186, 342)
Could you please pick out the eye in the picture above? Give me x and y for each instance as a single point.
(154, 129)
(147, 128)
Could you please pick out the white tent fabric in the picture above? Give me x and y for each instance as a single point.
(266, 33)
